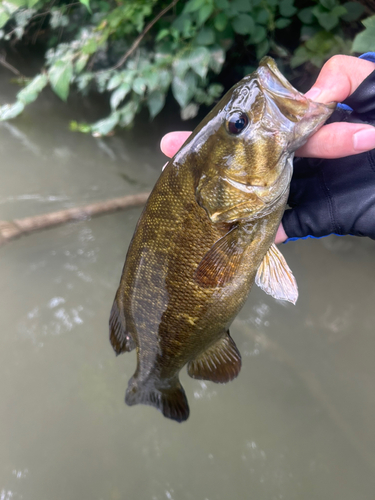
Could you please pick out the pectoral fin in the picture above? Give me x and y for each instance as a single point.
(275, 277)
(219, 265)
(120, 339)
(219, 363)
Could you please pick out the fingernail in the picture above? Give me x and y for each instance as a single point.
(364, 140)
(313, 93)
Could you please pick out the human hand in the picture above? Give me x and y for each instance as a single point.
(310, 197)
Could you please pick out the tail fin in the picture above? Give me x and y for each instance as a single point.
(171, 401)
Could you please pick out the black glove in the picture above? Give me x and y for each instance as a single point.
(336, 196)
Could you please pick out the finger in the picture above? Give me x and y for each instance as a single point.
(281, 235)
(337, 140)
(339, 78)
(172, 142)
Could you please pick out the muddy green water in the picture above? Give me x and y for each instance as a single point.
(297, 424)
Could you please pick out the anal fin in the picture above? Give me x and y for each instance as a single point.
(120, 339)
(275, 277)
(221, 362)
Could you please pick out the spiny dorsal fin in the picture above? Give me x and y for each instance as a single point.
(275, 277)
(219, 265)
(120, 339)
(219, 363)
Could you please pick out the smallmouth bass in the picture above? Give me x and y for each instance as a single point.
(206, 234)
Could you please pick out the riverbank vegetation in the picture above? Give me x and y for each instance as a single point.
(141, 52)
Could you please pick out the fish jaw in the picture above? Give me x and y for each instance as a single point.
(301, 117)
(246, 202)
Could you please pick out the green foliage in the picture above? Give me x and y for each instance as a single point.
(137, 51)
(364, 41)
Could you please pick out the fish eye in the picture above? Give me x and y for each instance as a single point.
(237, 122)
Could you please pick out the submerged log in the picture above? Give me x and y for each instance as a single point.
(10, 230)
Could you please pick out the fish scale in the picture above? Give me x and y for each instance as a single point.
(208, 226)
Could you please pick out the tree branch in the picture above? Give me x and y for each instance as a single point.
(9, 230)
(9, 66)
(138, 40)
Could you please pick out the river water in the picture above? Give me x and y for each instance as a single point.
(298, 423)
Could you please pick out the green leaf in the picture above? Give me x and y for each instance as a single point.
(217, 59)
(220, 21)
(206, 36)
(86, 3)
(262, 17)
(181, 65)
(204, 13)
(165, 78)
(90, 46)
(300, 56)
(60, 75)
(81, 63)
(364, 42)
(339, 11)
(184, 89)
(215, 90)
(242, 5)
(4, 17)
(74, 126)
(327, 20)
(162, 34)
(282, 22)
(243, 24)
(199, 59)
(183, 24)
(31, 3)
(82, 81)
(259, 34)
(193, 5)
(354, 10)
(190, 111)
(127, 113)
(152, 80)
(328, 4)
(247, 70)
(286, 8)
(9, 111)
(222, 4)
(13, 5)
(139, 86)
(115, 81)
(308, 31)
(119, 95)
(33, 89)
(155, 102)
(306, 15)
(262, 48)
(103, 127)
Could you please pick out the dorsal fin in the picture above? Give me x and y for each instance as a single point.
(120, 339)
(219, 265)
(275, 277)
(221, 362)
